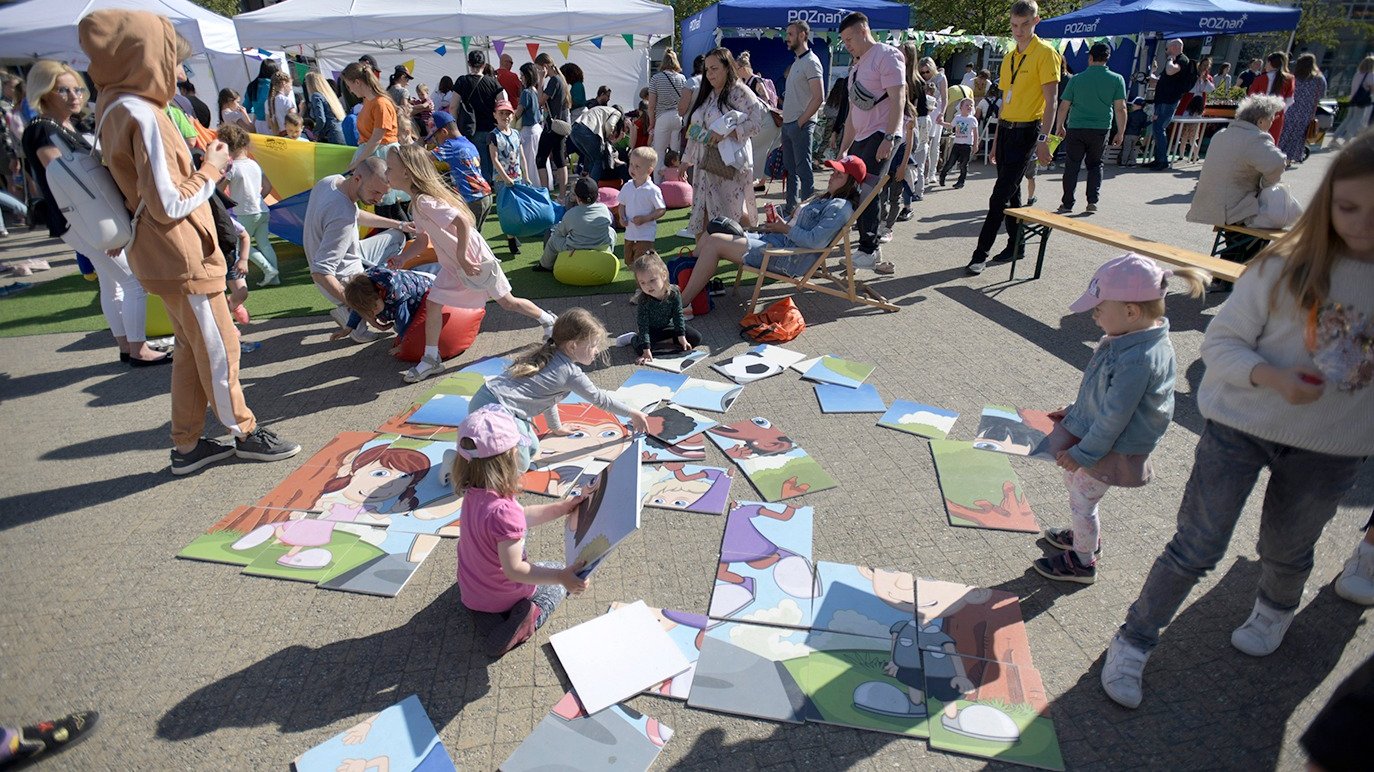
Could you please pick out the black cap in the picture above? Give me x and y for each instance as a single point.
(585, 189)
(401, 70)
(1100, 51)
(476, 58)
(371, 62)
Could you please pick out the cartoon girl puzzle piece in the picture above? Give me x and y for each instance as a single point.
(674, 423)
(699, 394)
(765, 572)
(686, 487)
(588, 433)
(1015, 432)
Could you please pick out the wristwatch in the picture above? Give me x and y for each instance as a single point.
(1043, 138)
(895, 138)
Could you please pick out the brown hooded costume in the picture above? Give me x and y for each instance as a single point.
(174, 253)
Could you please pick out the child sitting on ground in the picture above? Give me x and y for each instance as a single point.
(588, 225)
(544, 374)
(245, 183)
(641, 205)
(661, 324)
(386, 298)
(294, 128)
(671, 171)
(509, 596)
(1124, 404)
(469, 273)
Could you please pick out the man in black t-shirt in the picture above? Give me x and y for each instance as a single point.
(1178, 77)
(1248, 77)
(476, 114)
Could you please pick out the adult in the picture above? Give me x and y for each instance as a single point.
(59, 93)
(371, 62)
(594, 134)
(174, 254)
(476, 106)
(1179, 75)
(813, 226)
(1361, 98)
(689, 93)
(577, 87)
(199, 109)
(377, 123)
(1030, 80)
(938, 86)
(398, 85)
(556, 101)
(803, 93)
(509, 80)
(331, 242)
(444, 98)
(531, 118)
(719, 99)
(1276, 81)
(1241, 161)
(970, 74)
(665, 93)
(1248, 76)
(1223, 79)
(602, 99)
(323, 109)
(763, 142)
(259, 91)
(877, 94)
(922, 105)
(1092, 99)
(1308, 90)
(981, 84)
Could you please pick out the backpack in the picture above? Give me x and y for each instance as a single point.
(780, 322)
(86, 194)
(769, 90)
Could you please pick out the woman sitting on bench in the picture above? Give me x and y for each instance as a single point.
(813, 227)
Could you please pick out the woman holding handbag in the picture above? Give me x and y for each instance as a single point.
(1361, 98)
(722, 189)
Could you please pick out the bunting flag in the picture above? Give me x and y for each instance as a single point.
(533, 49)
(409, 64)
(441, 50)
(597, 42)
(295, 166)
(565, 46)
(629, 40)
(500, 46)
(464, 40)
(264, 53)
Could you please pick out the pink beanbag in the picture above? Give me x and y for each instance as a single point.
(460, 329)
(676, 194)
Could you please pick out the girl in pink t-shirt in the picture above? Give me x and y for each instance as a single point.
(468, 275)
(509, 596)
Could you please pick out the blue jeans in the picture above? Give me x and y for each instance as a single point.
(482, 139)
(796, 160)
(1304, 488)
(1164, 115)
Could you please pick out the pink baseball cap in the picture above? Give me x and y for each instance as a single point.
(502, 103)
(1130, 278)
(492, 429)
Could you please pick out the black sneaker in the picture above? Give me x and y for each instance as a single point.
(1092, 207)
(51, 736)
(905, 215)
(539, 268)
(206, 452)
(1005, 256)
(1065, 209)
(1062, 538)
(715, 287)
(1065, 567)
(263, 444)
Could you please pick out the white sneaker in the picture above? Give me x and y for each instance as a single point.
(628, 339)
(340, 315)
(548, 328)
(1263, 631)
(270, 278)
(426, 367)
(1356, 583)
(1123, 671)
(867, 259)
(363, 335)
(686, 233)
(885, 236)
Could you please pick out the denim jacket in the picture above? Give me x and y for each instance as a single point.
(1127, 397)
(814, 226)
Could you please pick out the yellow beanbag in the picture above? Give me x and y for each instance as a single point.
(158, 324)
(586, 267)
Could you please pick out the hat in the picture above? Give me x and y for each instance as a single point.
(502, 103)
(585, 189)
(492, 429)
(1130, 278)
(370, 60)
(442, 120)
(852, 165)
(1138, 101)
(1100, 51)
(401, 71)
(476, 58)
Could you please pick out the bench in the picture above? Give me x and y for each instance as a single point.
(1240, 243)
(1035, 223)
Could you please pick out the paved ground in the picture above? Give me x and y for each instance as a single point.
(195, 666)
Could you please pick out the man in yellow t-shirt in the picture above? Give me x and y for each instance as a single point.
(1030, 88)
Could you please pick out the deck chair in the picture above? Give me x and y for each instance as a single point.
(846, 286)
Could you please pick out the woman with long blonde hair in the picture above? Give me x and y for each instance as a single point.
(323, 109)
(469, 273)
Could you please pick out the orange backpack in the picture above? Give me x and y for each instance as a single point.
(778, 323)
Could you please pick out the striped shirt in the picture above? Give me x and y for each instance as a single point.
(667, 87)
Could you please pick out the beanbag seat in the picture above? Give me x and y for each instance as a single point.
(158, 324)
(676, 194)
(524, 211)
(460, 329)
(586, 267)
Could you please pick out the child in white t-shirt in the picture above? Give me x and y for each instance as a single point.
(965, 127)
(245, 183)
(641, 205)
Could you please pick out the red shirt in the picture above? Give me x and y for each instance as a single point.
(510, 81)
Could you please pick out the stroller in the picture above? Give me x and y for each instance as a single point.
(1321, 123)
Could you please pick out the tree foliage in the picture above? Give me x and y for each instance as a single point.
(225, 8)
(980, 17)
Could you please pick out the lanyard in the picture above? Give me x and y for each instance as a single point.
(1016, 68)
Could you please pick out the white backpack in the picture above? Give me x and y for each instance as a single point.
(86, 194)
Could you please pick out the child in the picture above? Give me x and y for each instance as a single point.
(469, 273)
(295, 128)
(234, 243)
(1124, 404)
(422, 110)
(545, 373)
(660, 313)
(505, 153)
(965, 128)
(405, 127)
(641, 205)
(245, 183)
(280, 103)
(1135, 126)
(384, 297)
(588, 225)
(1287, 388)
(510, 597)
(671, 171)
(464, 166)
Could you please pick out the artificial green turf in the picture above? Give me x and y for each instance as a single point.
(72, 303)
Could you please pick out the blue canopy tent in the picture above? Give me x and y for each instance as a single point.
(1173, 17)
(699, 30)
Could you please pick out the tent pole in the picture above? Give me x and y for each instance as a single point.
(1289, 49)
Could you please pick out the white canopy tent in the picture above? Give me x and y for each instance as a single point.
(46, 29)
(337, 32)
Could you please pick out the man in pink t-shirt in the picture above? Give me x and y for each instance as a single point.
(877, 94)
